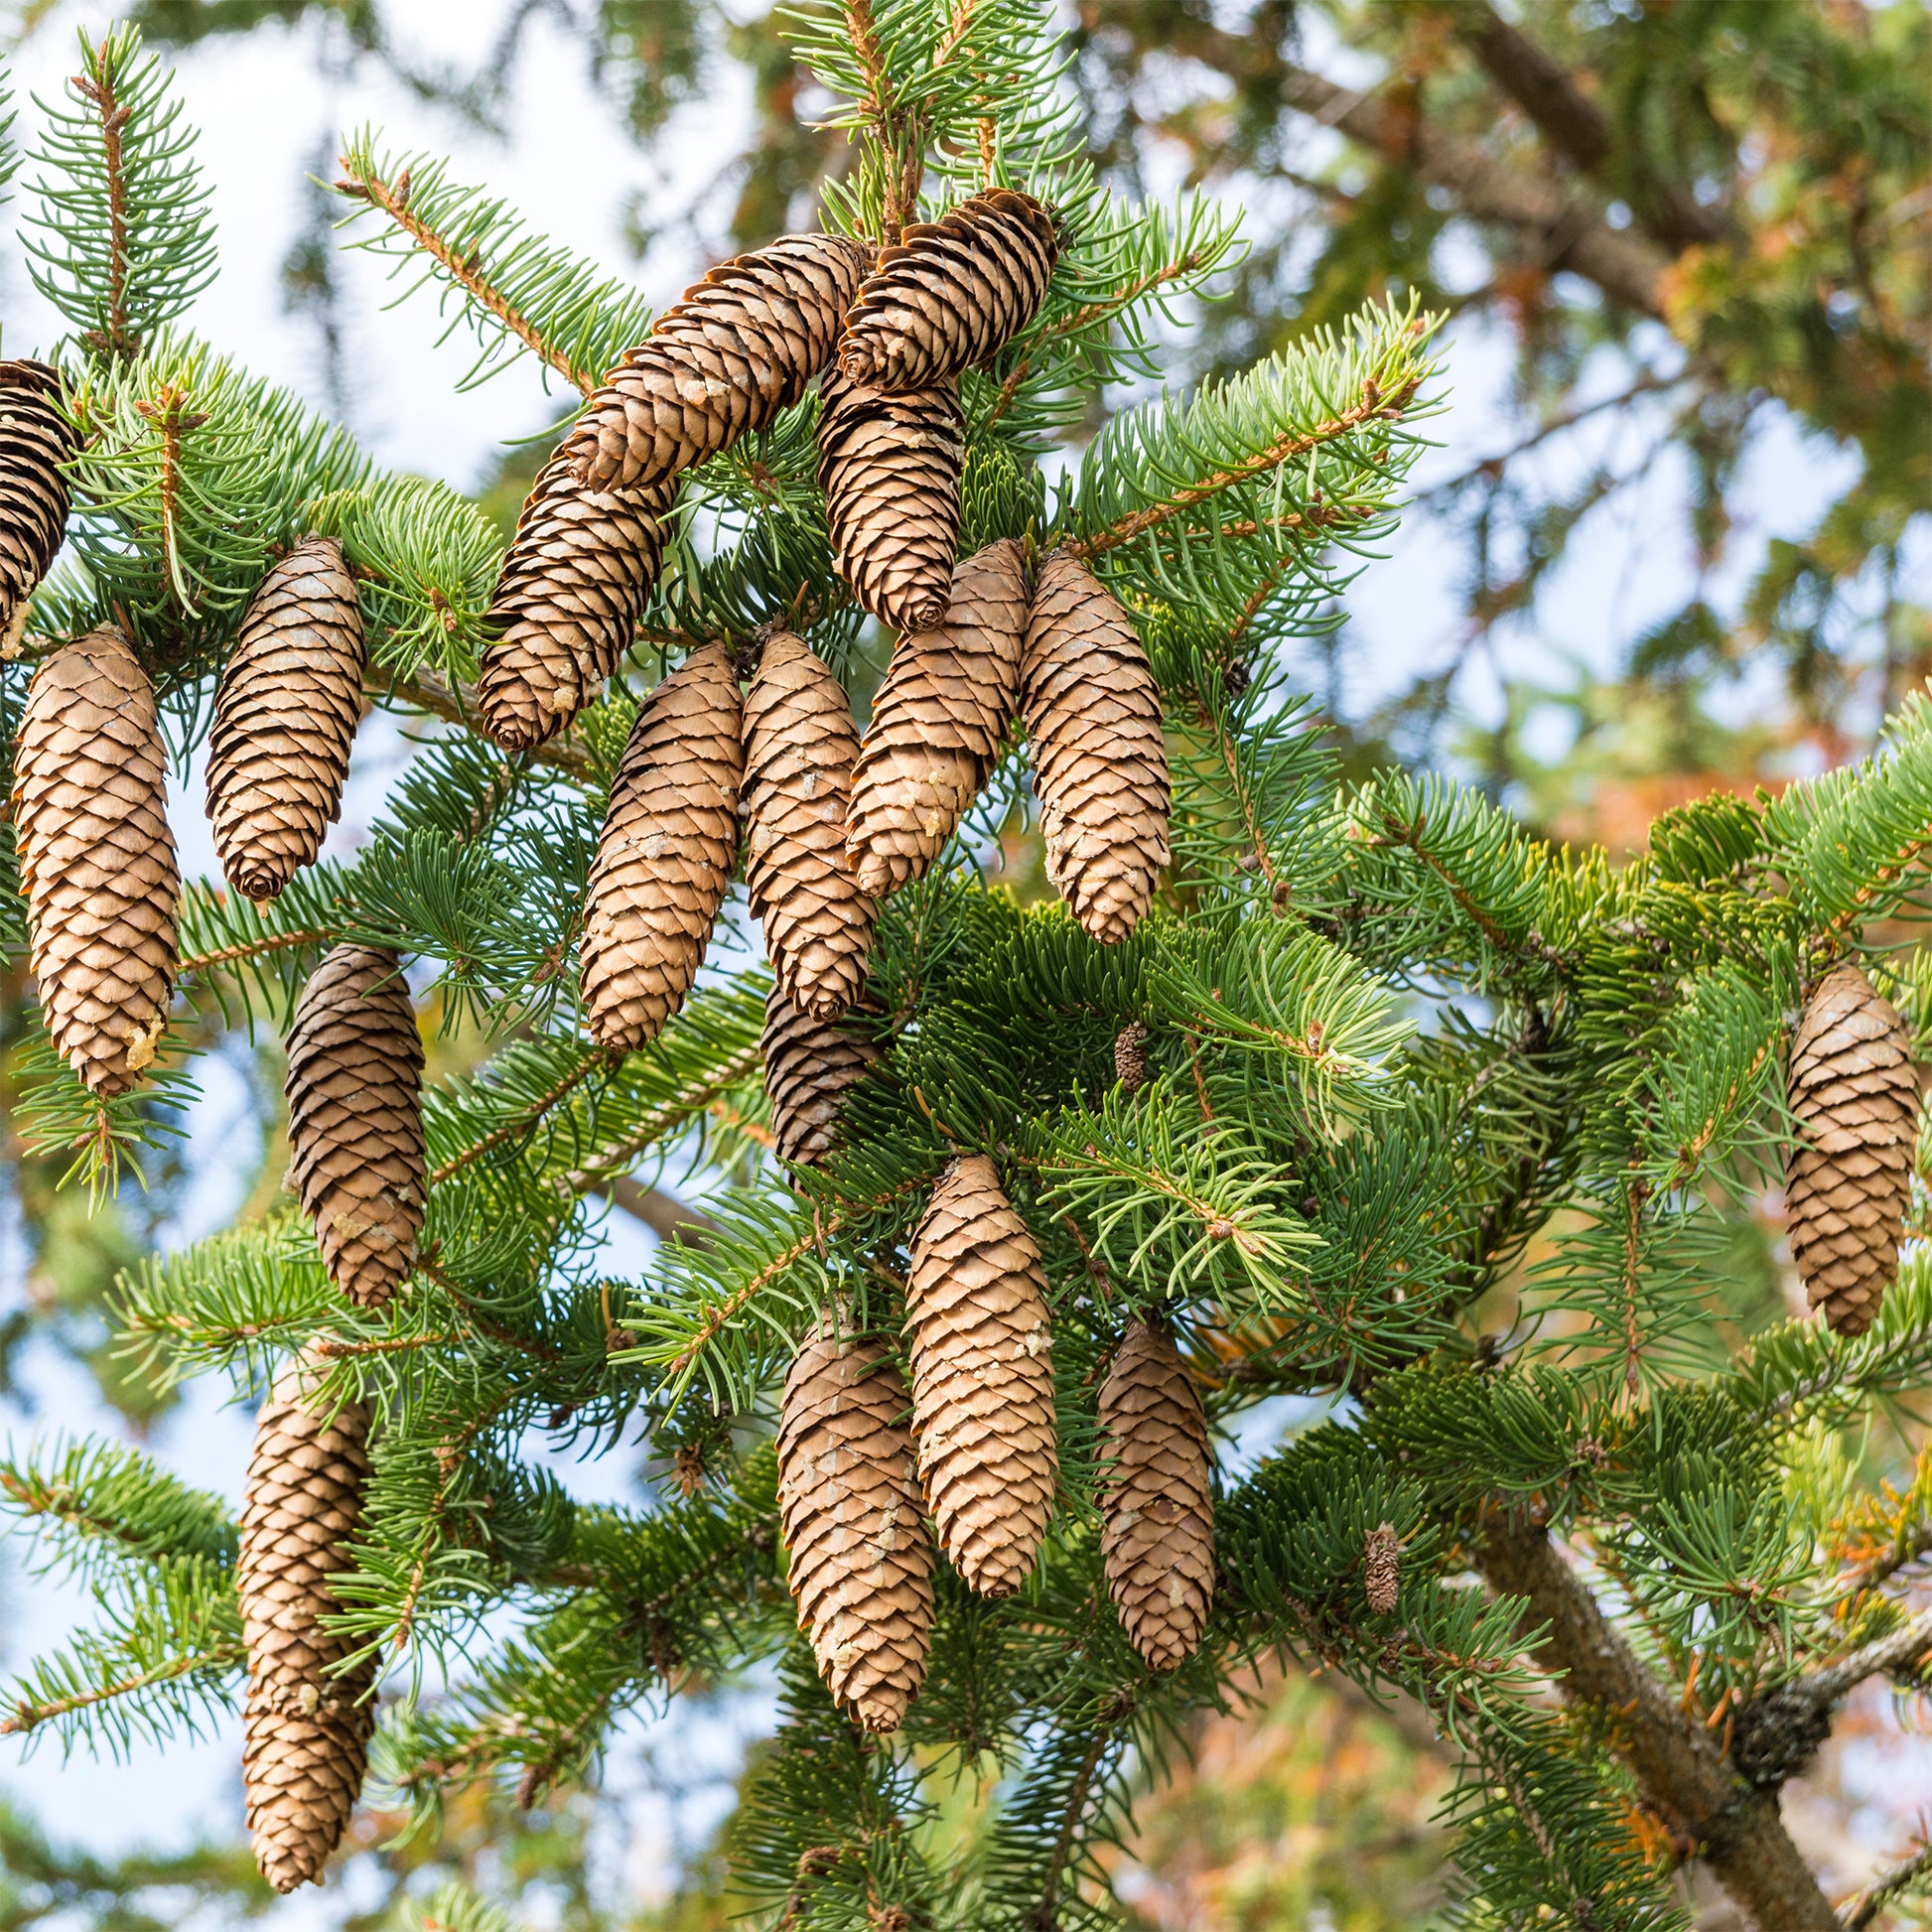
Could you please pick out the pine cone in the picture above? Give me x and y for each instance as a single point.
(96, 858)
(938, 722)
(799, 749)
(356, 1154)
(849, 1508)
(1855, 1094)
(981, 1351)
(890, 468)
(1382, 1569)
(1130, 1056)
(1093, 713)
(572, 589)
(952, 294)
(308, 1724)
(809, 1066)
(284, 717)
(665, 858)
(36, 439)
(742, 346)
(1158, 1543)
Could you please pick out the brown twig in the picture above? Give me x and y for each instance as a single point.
(118, 339)
(26, 1717)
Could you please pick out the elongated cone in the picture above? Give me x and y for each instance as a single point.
(96, 858)
(952, 294)
(937, 722)
(810, 1064)
(356, 1157)
(573, 585)
(800, 745)
(664, 860)
(1382, 1569)
(890, 468)
(849, 1509)
(1100, 766)
(1855, 1093)
(36, 439)
(1158, 1543)
(307, 1721)
(742, 346)
(285, 719)
(982, 1359)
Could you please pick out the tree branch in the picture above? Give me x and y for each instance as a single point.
(667, 1217)
(1564, 115)
(1863, 1910)
(428, 690)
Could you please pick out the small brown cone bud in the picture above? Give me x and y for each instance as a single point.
(1382, 1569)
(1158, 1543)
(357, 1156)
(36, 439)
(952, 294)
(1100, 766)
(810, 1065)
(307, 1721)
(742, 346)
(849, 1508)
(285, 719)
(800, 745)
(1130, 1056)
(1855, 1093)
(573, 585)
(665, 858)
(96, 858)
(890, 468)
(981, 1351)
(937, 722)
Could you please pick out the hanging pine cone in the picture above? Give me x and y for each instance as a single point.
(284, 717)
(1855, 1094)
(952, 294)
(1382, 1569)
(742, 346)
(981, 1351)
(938, 722)
(890, 468)
(96, 858)
(571, 590)
(849, 1509)
(810, 1065)
(799, 749)
(357, 1156)
(36, 439)
(665, 858)
(307, 1721)
(1100, 766)
(1158, 1543)
(1130, 1056)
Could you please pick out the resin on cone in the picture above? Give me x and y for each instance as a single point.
(938, 722)
(810, 1065)
(860, 1562)
(980, 1353)
(285, 719)
(665, 858)
(356, 1157)
(1855, 1094)
(800, 745)
(36, 441)
(98, 858)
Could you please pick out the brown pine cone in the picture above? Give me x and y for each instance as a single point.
(1855, 1093)
(1100, 766)
(285, 719)
(861, 1564)
(1158, 1543)
(952, 294)
(36, 439)
(938, 722)
(1382, 1569)
(96, 858)
(799, 749)
(981, 1351)
(665, 858)
(356, 1157)
(890, 468)
(742, 346)
(307, 1721)
(574, 584)
(810, 1065)
(1130, 1056)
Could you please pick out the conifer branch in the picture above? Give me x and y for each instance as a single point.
(426, 690)
(1863, 1908)
(118, 338)
(25, 1717)
(530, 1118)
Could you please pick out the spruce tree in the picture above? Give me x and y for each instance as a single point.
(1276, 1102)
